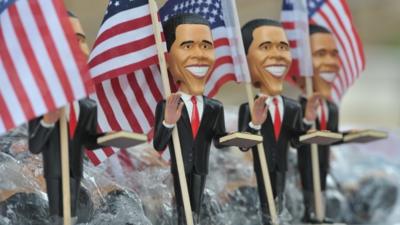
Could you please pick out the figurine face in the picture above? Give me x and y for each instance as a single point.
(325, 62)
(269, 59)
(76, 25)
(191, 57)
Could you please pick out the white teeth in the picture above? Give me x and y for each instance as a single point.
(328, 76)
(277, 71)
(198, 71)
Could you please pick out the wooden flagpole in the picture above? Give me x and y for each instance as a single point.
(319, 208)
(65, 168)
(167, 92)
(250, 98)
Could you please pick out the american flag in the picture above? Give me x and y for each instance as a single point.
(335, 15)
(41, 65)
(295, 22)
(124, 66)
(212, 10)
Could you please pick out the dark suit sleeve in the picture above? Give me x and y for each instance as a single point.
(90, 118)
(219, 127)
(298, 128)
(335, 122)
(162, 134)
(38, 136)
(243, 122)
(244, 119)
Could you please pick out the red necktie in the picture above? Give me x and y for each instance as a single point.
(323, 117)
(195, 117)
(72, 121)
(277, 119)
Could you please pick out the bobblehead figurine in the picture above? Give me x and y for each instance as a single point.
(278, 118)
(325, 67)
(44, 137)
(199, 120)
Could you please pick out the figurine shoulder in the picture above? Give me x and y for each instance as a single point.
(87, 103)
(214, 103)
(291, 102)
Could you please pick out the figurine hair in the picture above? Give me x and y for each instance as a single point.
(249, 27)
(172, 23)
(70, 14)
(314, 28)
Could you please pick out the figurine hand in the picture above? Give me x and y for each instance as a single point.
(52, 117)
(260, 110)
(173, 108)
(311, 107)
(311, 131)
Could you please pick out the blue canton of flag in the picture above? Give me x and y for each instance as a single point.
(116, 6)
(4, 4)
(313, 6)
(209, 9)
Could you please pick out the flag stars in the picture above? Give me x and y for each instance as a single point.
(209, 2)
(116, 3)
(205, 10)
(197, 10)
(214, 12)
(176, 7)
(212, 20)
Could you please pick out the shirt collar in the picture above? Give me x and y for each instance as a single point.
(187, 98)
(270, 98)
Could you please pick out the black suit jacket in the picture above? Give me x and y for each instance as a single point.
(275, 151)
(304, 153)
(47, 141)
(195, 153)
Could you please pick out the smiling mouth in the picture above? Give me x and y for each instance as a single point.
(328, 76)
(277, 71)
(198, 71)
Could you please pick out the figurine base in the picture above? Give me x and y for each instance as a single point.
(365, 136)
(321, 138)
(241, 140)
(122, 139)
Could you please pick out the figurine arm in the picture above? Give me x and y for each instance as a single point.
(39, 134)
(299, 128)
(162, 133)
(219, 129)
(89, 116)
(244, 122)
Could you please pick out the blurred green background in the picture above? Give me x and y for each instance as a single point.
(373, 101)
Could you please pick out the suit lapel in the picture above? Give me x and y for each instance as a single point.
(286, 112)
(79, 122)
(268, 126)
(207, 112)
(185, 119)
(331, 115)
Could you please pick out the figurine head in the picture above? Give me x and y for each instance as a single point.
(77, 27)
(325, 57)
(191, 53)
(268, 54)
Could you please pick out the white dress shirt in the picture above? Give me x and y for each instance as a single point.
(271, 108)
(187, 100)
(319, 111)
